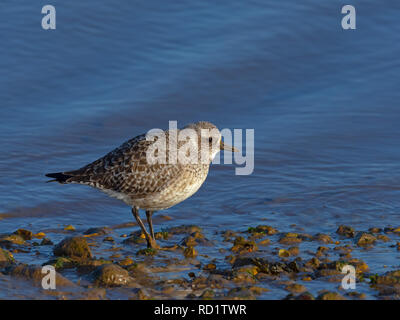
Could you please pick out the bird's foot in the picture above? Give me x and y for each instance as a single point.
(151, 243)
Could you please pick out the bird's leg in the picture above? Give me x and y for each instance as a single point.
(150, 222)
(151, 243)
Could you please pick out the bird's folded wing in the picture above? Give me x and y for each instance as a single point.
(126, 170)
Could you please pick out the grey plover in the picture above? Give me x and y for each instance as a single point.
(127, 174)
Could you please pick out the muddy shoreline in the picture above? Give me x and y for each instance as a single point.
(261, 262)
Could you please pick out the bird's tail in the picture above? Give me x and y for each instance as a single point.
(58, 177)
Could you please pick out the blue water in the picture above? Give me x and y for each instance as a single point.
(324, 104)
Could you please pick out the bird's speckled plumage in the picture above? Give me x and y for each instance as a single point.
(125, 173)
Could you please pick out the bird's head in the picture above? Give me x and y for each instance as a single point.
(209, 139)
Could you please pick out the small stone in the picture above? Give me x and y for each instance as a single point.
(241, 293)
(321, 251)
(323, 238)
(283, 253)
(346, 231)
(264, 242)
(97, 231)
(25, 234)
(229, 235)
(270, 268)
(207, 294)
(141, 295)
(39, 235)
(294, 251)
(12, 239)
(110, 275)
(257, 290)
(263, 229)
(190, 252)
(290, 238)
(365, 239)
(296, 288)
(189, 241)
(245, 274)
(383, 238)
(313, 263)
(388, 230)
(305, 296)
(210, 267)
(357, 295)
(184, 229)
(197, 235)
(330, 296)
(46, 242)
(5, 256)
(332, 274)
(69, 228)
(61, 263)
(126, 262)
(347, 249)
(162, 235)
(361, 267)
(375, 230)
(134, 239)
(96, 263)
(390, 278)
(241, 245)
(73, 247)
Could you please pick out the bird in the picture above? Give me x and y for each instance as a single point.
(153, 171)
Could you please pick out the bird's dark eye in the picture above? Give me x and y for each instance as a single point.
(210, 140)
